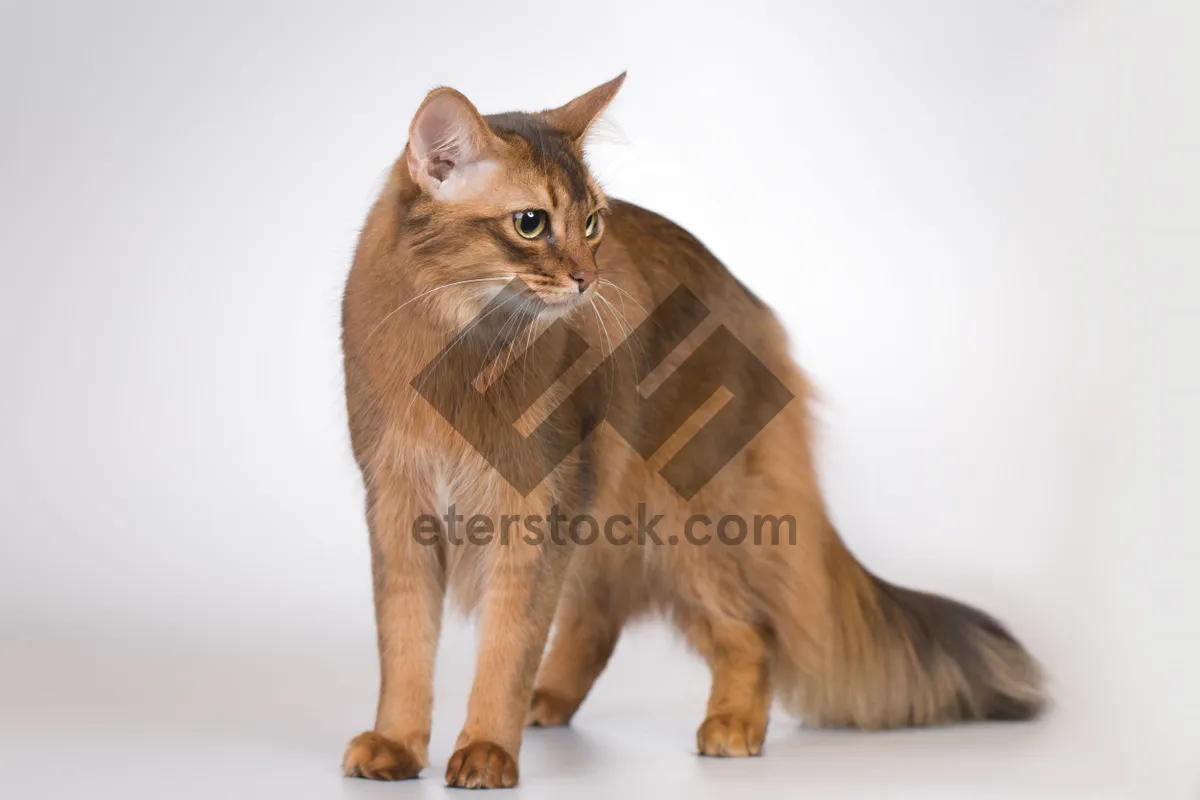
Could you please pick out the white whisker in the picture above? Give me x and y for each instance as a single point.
(605, 282)
(627, 329)
(412, 300)
(630, 336)
(458, 339)
(612, 384)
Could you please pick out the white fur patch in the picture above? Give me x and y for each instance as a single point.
(465, 182)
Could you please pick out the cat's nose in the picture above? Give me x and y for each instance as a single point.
(584, 278)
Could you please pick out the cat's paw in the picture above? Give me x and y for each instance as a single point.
(731, 735)
(482, 765)
(370, 755)
(548, 710)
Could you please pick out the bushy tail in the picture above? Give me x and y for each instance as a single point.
(894, 657)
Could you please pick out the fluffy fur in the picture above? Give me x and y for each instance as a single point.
(801, 621)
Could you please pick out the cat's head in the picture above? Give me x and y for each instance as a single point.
(494, 197)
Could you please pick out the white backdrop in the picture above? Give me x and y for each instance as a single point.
(979, 221)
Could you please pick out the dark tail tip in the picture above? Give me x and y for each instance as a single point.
(996, 677)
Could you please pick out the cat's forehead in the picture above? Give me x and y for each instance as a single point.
(548, 155)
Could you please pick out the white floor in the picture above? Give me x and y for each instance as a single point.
(159, 715)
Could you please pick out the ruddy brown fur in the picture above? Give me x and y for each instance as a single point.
(799, 620)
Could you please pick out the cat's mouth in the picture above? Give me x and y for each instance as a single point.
(558, 302)
(542, 299)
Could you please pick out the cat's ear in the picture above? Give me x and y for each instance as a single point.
(577, 116)
(451, 150)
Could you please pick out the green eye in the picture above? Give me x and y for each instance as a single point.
(591, 225)
(530, 224)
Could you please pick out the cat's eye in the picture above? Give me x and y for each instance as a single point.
(591, 226)
(531, 223)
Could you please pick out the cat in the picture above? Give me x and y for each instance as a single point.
(482, 210)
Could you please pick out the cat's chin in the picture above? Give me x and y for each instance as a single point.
(560, 306)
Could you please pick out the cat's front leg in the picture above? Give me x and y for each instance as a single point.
(525, 577)
(410, 582)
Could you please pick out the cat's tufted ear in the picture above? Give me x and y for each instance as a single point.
(451, 150)
(577, 116)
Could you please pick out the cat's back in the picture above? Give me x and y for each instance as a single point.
(642, 246)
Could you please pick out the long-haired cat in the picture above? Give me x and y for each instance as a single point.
(474, 204)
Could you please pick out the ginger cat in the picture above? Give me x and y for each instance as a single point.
(473, 204)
